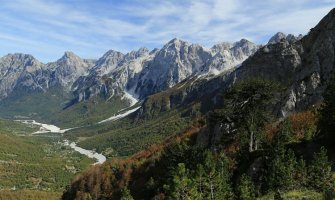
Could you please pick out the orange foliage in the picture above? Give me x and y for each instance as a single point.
(270, 131)
(303, 123)
(106, 180)
(156, 148)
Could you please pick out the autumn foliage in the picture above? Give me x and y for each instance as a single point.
(106, 181)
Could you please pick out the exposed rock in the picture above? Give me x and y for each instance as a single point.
(144, 73)
(20, 70)
(278, 37)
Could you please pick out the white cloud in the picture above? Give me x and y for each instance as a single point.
(141, 23)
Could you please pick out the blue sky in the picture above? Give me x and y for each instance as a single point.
(47, 28)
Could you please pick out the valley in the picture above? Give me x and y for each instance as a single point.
(237, 120)
(33, 163)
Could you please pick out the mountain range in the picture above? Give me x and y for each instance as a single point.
(141, 72)
(137, 74)
(149, 110)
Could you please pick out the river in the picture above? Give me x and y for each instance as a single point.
(49, 128)
(89, 153)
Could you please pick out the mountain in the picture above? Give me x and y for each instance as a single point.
(212, 143)
(27, 85)
(24, 72)
(278, 37)
(143, 73)
(304, 66)
(19, 71)
(65, 71)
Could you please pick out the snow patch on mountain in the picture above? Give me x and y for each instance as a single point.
(120, 116)
(130, 96)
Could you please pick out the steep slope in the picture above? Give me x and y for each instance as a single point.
(143, 73)
(303, 68)
(111, 74)
(24, 72)
(27, 84)
(33, 89)
(65, 71)
(278, 37)
(20, 71)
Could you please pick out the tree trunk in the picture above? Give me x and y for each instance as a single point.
(212, 190)
(251, 141)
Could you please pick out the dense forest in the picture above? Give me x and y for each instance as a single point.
(248, 153)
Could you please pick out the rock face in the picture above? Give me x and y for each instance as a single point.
(302, 67)
(65, 71)
(21, 72)
(142, 73)
(279, 37)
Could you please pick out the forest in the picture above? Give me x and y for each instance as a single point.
(248, 153)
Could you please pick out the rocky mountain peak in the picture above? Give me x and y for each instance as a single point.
(136, 54)
(109, 61)
(18, 69)
(277, 38)
(243, 43)
(142, 50)
(224, 46)
(69, 58)
(69, 55)
(175, 43)
(19, 56)
(20, 61)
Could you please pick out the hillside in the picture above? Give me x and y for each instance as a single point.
(35, 166)
(257, 132)
(232, 120)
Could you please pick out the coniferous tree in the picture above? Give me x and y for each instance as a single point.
(200, 180)
(246, 105)
(125, 194)
(245, 188)
(282, 171)
(301, 175)
(216, 177)
(320, 174)
(326, 122)
(182, 187)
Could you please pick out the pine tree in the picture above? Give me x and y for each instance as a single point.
(200, 180)
(246, 104)
(245, 188)
(182, 187)
(125, 194)
(301, 175)
(216, 177)
(282, 166)
(326, 123)
(320, 174)
(286, 132)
